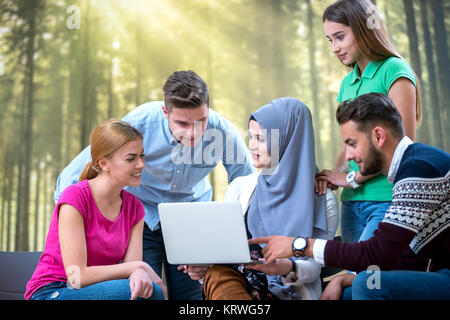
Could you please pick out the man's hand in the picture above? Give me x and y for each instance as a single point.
(277, 247)
(196, 272)
(333, 291)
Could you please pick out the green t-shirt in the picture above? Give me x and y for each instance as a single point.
(377, 77)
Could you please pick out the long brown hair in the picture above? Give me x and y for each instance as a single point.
(370, 34)
(105, 140)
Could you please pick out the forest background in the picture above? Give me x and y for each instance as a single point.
(68, 65)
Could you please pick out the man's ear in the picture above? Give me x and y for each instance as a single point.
(378, 136)
(166, 113)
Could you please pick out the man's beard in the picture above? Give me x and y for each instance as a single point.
(374, 162)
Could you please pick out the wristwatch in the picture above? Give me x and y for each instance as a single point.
(351, 180)
(299, 246)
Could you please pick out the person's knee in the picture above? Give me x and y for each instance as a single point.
(210, 282)
(347, 294)
(224, 283)
(366, 287)
(158, 293)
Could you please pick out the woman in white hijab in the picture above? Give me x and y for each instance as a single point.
(278, 200)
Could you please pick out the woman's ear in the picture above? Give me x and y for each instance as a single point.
(103, 164)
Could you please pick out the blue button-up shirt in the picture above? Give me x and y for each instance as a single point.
(173, 172)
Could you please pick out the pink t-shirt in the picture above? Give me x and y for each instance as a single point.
(106, 240)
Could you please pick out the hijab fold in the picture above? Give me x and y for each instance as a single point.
(284, 201)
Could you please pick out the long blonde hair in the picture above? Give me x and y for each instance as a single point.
(105, 140)
(373, 41)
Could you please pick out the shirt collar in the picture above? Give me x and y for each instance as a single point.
(369, 71)
(397, 158)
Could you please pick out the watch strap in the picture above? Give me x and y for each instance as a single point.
(351, 180)
(294, 269)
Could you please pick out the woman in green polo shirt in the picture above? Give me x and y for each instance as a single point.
(360, 41)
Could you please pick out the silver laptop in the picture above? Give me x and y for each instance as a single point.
(204, 233)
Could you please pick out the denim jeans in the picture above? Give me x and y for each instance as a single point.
(402, 285)
(179, 285)
(107, 290)
(360, 219)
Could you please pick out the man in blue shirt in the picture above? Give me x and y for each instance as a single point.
(183, 142)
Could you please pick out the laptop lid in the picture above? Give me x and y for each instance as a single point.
(204, 232)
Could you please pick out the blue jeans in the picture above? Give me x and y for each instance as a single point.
(402, 285)
(107, 290)
(360, 219)
(179, 285)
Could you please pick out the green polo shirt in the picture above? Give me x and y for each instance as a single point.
(377, 77)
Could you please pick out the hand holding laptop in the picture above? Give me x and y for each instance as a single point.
(196, 272)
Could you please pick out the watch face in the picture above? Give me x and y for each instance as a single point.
(299, 243)
(351, 175)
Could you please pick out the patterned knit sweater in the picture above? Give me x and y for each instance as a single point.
(416, 225)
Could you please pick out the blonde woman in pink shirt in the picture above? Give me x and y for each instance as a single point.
(94, 246)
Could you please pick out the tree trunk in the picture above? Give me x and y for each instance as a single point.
(441, 47)
(24, 194)
(85, 86)
(415, 62)
(278, 50)
(314, 87)
(47, 200)
(138, 58)
(5, 195)
(434, 111)
(412, 37)
(9, 210)
(3, 209)
(58, 114)
(20, 168)
(264, 51)
(36, 206)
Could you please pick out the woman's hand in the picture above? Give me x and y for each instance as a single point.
(153, 276)
(196, 272)
(329, 179)
(277, 267)
(141, 286)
